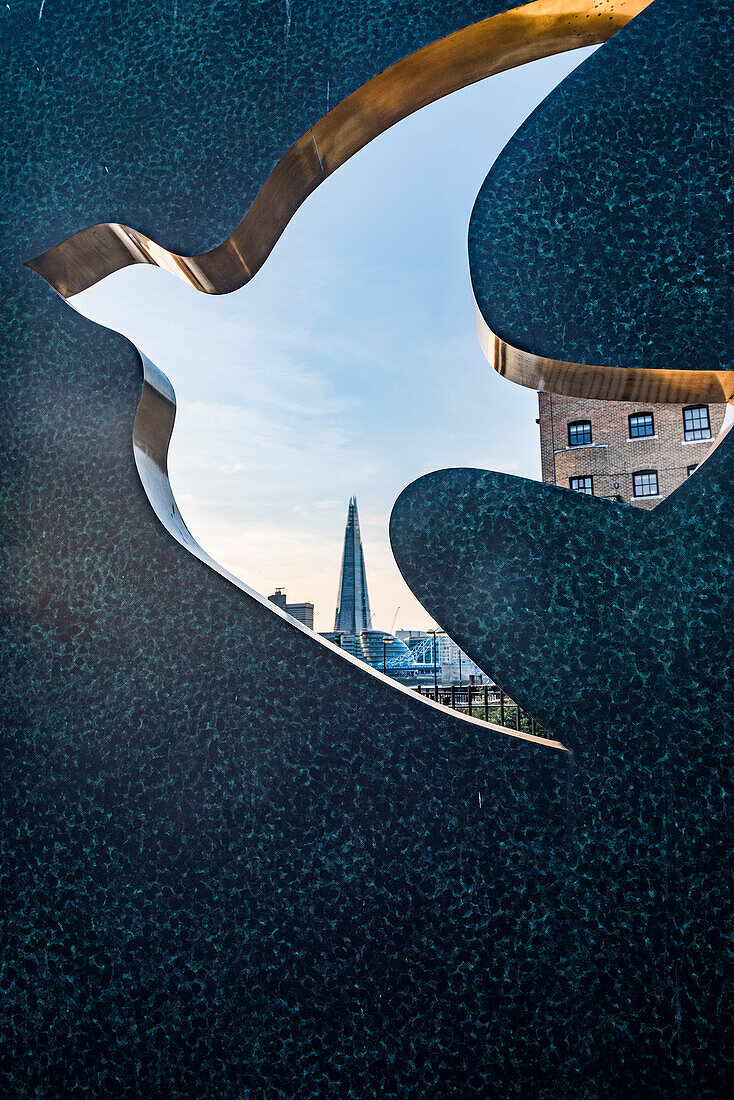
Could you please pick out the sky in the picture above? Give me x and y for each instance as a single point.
(348, 365)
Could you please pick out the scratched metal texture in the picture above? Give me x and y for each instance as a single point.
(217, 881)
(603, 233)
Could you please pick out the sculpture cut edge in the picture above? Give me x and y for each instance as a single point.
(502, 42)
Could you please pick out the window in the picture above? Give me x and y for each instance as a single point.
(696, 423)
(645, 483)
(641, 424)
(579, 433)
(582, 485)
(690, 469)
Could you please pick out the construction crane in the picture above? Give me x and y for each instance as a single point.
(394, 619)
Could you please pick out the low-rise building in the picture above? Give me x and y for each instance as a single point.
(624, 451)
(303, 612)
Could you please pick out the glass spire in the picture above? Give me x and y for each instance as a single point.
(353, 605)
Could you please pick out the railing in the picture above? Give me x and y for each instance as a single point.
(486, 703)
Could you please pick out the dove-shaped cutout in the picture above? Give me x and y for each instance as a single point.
(326, 375)
(223, 881)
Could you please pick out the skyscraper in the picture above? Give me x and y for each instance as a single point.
(353, 606)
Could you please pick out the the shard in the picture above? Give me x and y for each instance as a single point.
(353, 604)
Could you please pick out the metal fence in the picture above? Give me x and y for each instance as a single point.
(486, 703)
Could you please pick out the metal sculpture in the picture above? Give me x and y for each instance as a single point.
(608, 623)
(220, 882)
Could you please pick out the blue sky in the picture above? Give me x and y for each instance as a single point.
(349, 364)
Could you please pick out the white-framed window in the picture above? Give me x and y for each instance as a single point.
(645, 483)
(582, 485)
(696, 423)
(641, 425)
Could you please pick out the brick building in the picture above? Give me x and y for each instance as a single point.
(629, 452)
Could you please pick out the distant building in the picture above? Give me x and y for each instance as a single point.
(376, 648)
(452, 663)
(412, 638)
(279, 599)
(303, 612)
(407, 656)
(353, 617)
(353, 604)
(625, 451)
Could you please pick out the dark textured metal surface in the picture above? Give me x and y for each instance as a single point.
(217, 882)
(493, 45)
(604, 232)
(234, 863)
(613, 624)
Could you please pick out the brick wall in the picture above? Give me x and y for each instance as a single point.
(612, 457)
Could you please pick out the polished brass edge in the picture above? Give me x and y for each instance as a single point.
(525, 33)
(502, 42)
(597, 382)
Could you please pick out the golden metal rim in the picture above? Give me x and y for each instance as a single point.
(596, 382)
(525, 33)
(502, 42)
(505, 41)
